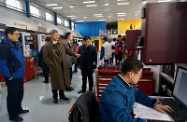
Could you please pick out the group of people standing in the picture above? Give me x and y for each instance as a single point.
(116, 49)
(57, 59)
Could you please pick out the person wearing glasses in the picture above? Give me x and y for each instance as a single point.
(12, 66)
(119, 96)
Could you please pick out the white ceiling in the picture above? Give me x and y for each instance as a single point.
(133, 10)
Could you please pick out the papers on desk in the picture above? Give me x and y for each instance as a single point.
(144, 112)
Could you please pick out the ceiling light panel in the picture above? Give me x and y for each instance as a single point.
(57, 8)
(91, 5)
(161, 1)
(106, 4)
(97, 14)
(87, 2)
(121, 13)
(71, 16)
(144, 2)
(122, 4)
(52, 4)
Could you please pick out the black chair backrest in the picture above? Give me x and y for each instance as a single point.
(85, 109)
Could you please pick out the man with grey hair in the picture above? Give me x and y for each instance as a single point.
(55, 57)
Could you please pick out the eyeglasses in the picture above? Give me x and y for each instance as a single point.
(16, 35)
(140, 74)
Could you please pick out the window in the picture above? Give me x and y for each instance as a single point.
(14, 4)
(59, 20)
(73, 26)
(49, 17)
(34, 11)
(66, 23)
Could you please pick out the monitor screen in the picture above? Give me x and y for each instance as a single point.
(180, 87)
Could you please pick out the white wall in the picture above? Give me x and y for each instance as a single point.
(9, 17)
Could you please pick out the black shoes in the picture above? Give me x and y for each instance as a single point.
(24, 112)
(64, 98)
(55, 101)
(46, 81)
(69, 88)
(81, 91)
(17, 119)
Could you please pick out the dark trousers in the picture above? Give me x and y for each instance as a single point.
(75, 67)
(14, 96)
(70, 73)
(46, 74)
(118, 58)
(57, 93)
(87, 73)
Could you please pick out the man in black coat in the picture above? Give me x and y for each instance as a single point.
(42, 63)
(87, 62)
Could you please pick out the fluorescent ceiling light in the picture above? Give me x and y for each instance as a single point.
(97, 14)
(121, 13)
(109, 16)
(120, 18)
(160, 1)
(106, 4)
(135, 14)
(57, 7)
(85, 17)
(144, 2)
(120, 0)
(71, 6)
(71, 16)
(79, 20)
(91, 5)
(122, 3)
(86, 2)
(52, 4)
(101, 20)
(74, 18)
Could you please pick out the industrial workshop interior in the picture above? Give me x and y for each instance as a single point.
(93, 60)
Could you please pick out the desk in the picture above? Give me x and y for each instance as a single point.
(150, 114)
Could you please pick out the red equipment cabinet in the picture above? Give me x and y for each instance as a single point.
(103, 77)
(30, 68)
(146, 83)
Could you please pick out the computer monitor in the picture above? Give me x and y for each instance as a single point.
(180, 86)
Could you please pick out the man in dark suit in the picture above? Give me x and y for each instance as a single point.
(42, 63)
(68, 42)
(87, 62)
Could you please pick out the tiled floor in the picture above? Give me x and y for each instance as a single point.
(38, 99)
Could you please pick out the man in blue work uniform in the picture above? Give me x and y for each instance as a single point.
(12, 66)
(120, 95)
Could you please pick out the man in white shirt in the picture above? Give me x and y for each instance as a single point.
(106, 51)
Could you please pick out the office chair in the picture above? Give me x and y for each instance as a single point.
(85, 109)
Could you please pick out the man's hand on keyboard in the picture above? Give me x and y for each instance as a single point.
(162, 108)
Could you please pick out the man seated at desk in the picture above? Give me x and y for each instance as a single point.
(121, 93)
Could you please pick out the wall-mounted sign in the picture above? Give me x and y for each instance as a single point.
(20, 24)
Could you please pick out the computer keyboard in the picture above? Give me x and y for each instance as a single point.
(179, 114)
